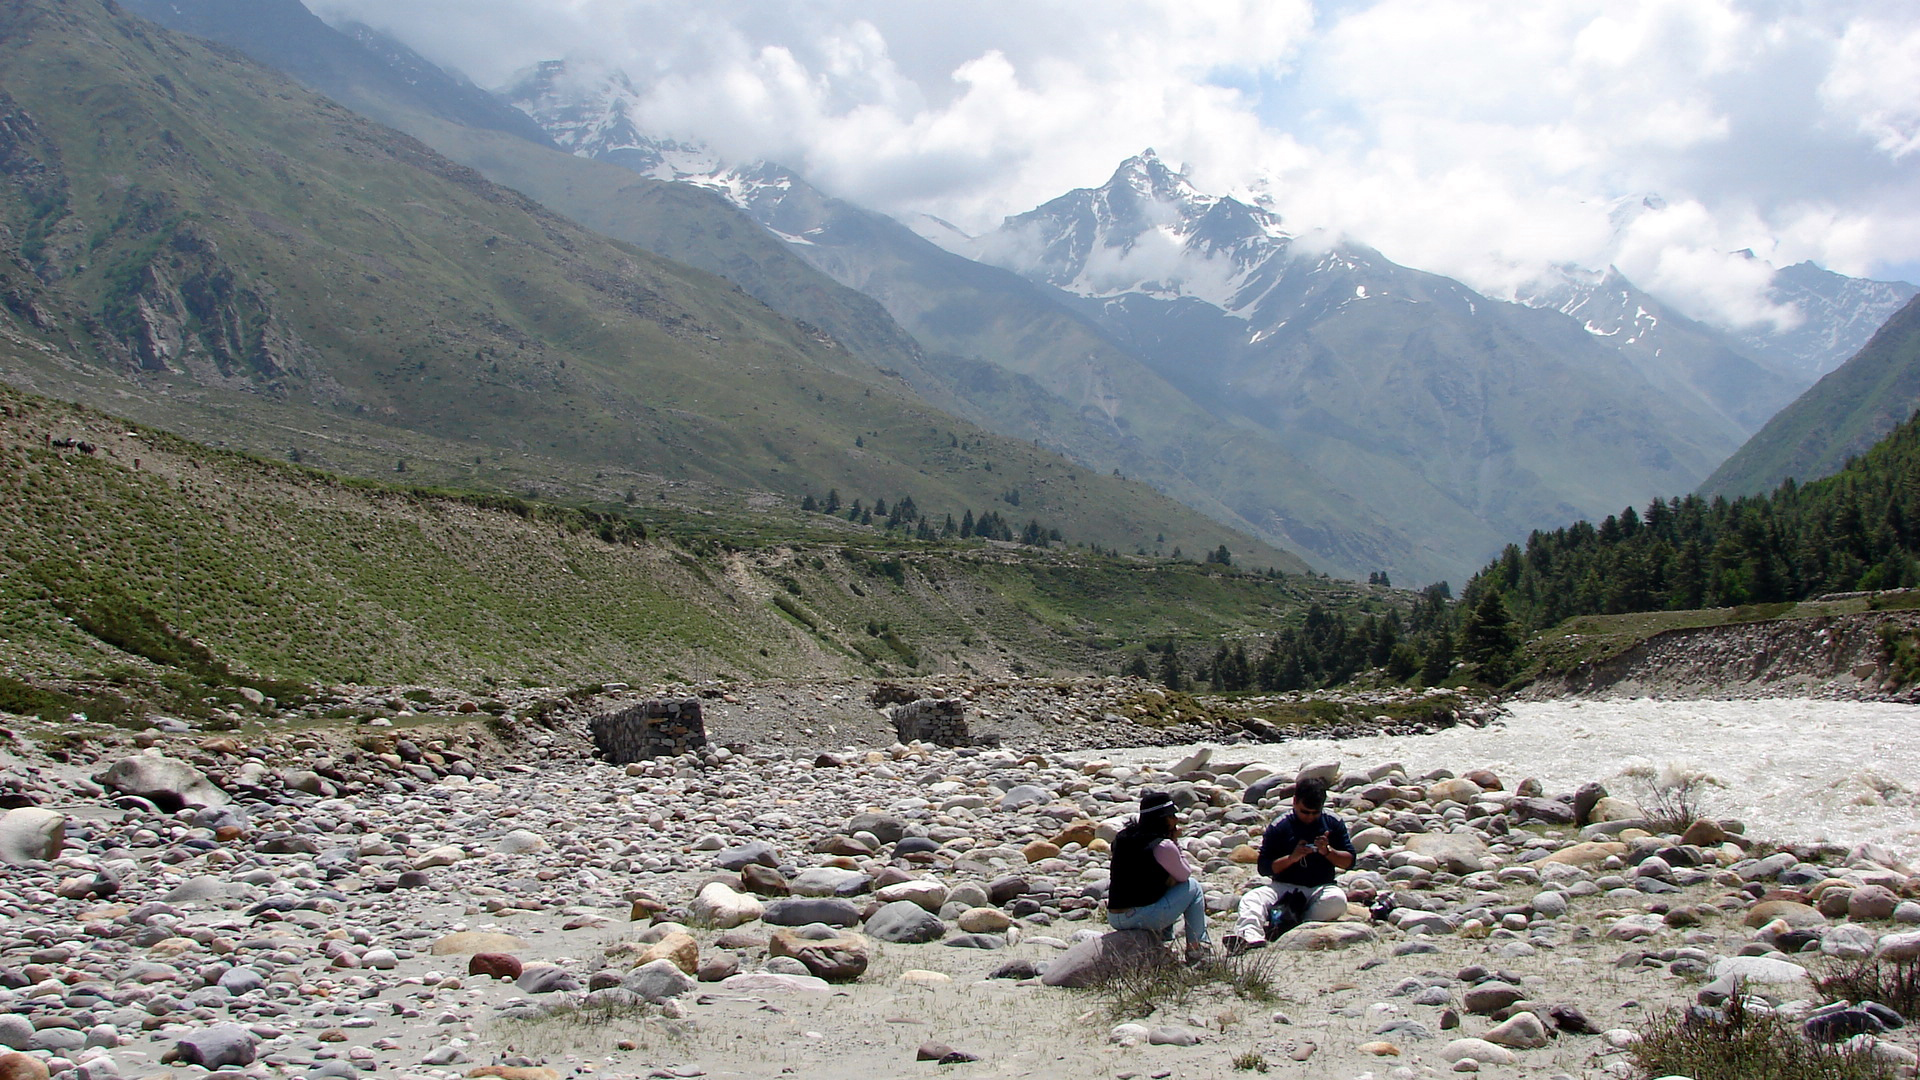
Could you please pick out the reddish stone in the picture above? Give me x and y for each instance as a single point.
(499, 965)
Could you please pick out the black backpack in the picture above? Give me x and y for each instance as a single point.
(1289, 911)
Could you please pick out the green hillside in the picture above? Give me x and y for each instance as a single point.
(205, 246)
(134, 564)
(1847, 411)
(1856, 530)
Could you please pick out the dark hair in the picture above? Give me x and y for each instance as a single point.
(1311, 794)
(1157, 826)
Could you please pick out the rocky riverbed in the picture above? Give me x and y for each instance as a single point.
(445, 898)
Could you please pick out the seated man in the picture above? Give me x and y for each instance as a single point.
(1301, 853)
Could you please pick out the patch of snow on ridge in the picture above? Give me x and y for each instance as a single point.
(1794, 769)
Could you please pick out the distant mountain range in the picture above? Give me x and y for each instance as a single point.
(200, 243)
(1301, 388)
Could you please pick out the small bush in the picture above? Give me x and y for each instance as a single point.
(1672, 796)
(1893, 983)
(1132, 990)
(1250, 1061)
(26, 700)
(1746, 1046)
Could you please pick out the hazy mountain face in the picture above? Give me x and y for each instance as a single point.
(1839, 315)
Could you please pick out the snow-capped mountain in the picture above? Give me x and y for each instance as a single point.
(1147, 231)
(592, 117)
(1457, 414)
(1667, 348)
(1148, 241)
(1839, 314)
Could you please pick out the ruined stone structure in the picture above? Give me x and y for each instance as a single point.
(650, 729)
(941, 721)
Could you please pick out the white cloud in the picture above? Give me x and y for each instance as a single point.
(1471, 137)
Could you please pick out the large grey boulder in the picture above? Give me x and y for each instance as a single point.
(904, 922)
(31, 834)
(168, 783)
(216, 1047)
(1458, 853)
(659, 980)
(753, 851)
(828, 881)
(1096, 959)
(833, 911)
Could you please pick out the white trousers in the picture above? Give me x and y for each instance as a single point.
(1325, 903)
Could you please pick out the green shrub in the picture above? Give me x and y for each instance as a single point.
(1746, 1046)
(1893, 983)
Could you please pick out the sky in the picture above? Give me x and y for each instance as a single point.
(1489, 141)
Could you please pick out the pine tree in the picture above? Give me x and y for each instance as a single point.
(1171, 676)
(1489, 638)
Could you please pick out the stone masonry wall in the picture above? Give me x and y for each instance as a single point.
(941, 721)
(651, 729)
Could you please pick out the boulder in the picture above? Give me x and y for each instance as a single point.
(1903, 946)
(31, 834)
(841, 958)
(984, 920)
(827, 881)
(904, 922)
(754, 851)
(1458, 853)
(1533, 808)
(1521, 1031)
(546, 979)
(166, 782)
(799, 911)
(216, 1047)
(1488, 998)
(466, 942)
(1096, 959)
(1704, 833)
(1479, 1050)
(1458, 789)
(1762, 969)
(658, 981)
(1611, 808)
(1319, 937)
(722, 908)
(928, 894)
(496, 965)
(1040, 849)
(767, 881)
(1021, 796)
(1589, 854)
(1867, 902)
(755, 982)
(680, 948)
(14, 1066)
(520, 842)
(1796, 914)
(887, 828)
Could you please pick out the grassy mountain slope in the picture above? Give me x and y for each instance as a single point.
(1047, 377)
(222, 252)
(131, 558)
(1848, 410)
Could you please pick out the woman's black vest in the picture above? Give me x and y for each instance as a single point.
(1138, 879)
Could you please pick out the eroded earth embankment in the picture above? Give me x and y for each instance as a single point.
(1834, 657)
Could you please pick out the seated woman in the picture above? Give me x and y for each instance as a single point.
(1152, 884)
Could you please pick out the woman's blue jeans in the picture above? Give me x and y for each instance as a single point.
(1184, 898)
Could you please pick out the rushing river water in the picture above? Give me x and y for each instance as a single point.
(1796, 770)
